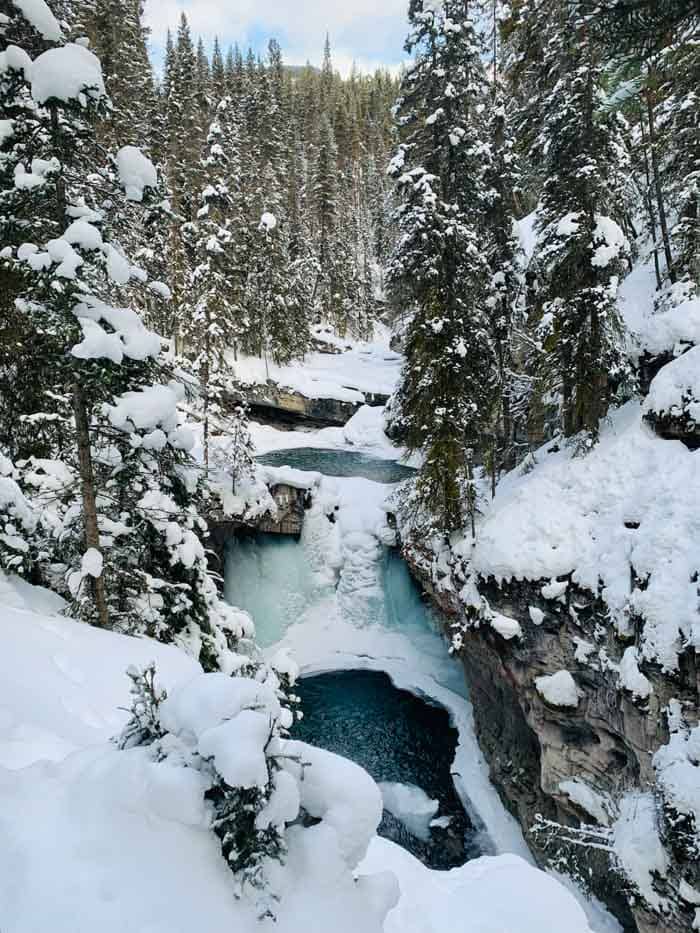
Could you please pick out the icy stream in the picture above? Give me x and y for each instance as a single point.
(339, 463)
(378, 684)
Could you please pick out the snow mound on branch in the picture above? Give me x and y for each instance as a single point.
(558, 689)
(630, 502)
(609, 241)
(92, 563)
(40, 16)
(128, 336)
(15, 58)
(152, 411)
(411, 806)
(136, 172)
(16, 512)
(70, 72)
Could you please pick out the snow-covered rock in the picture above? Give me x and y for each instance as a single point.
(487, 895)
(631, 678)
(629, 502)
(637, 845)
(411, 806)
(505, 626)
(675, 390)
(558, 689)
(587, 799)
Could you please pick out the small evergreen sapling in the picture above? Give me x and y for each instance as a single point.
(249, 818)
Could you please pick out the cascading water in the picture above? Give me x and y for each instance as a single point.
(340, 578)
(407, 745)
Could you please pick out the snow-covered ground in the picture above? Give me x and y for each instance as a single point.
(631, 502)
(672, 328)
(357, 369)
(95, 838)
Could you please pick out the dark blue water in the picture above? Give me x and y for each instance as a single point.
(396, 737)
(339, 463)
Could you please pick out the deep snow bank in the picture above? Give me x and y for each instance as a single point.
(628, 510)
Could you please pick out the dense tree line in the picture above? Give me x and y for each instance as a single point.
(299, 144)
(587, 112)
(100, 497)
(266, 207)
(224, 209)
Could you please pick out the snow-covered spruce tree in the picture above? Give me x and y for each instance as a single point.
(210, 289)
(125, 524)
(581, 249)
(506, 263)
(277, 295)
(438, 267)
(119, 39)
(18, 522)
(252, 795)
(681, 67)
(324, 203)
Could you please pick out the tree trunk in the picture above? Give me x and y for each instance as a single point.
(657, 180)
(648, 200)
(87, 484)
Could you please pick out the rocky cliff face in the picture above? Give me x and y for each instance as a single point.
(568, 765)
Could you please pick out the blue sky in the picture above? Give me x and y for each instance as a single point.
(370, 32)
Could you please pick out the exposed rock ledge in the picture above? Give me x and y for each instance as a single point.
(291, 501)
(606, 742)
(275, 404)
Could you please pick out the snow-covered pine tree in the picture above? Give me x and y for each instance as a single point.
(502, 183)
(218, 73)
(506, 262)
(680, 63)
(187, 108)
(324, 202)
(277, 295)
(117, 491)
(119, 39)
(438, 268)
(581, 249)
(210, 288)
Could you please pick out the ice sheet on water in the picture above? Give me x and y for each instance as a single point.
(411, 805)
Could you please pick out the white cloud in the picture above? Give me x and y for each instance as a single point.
(368, 31)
